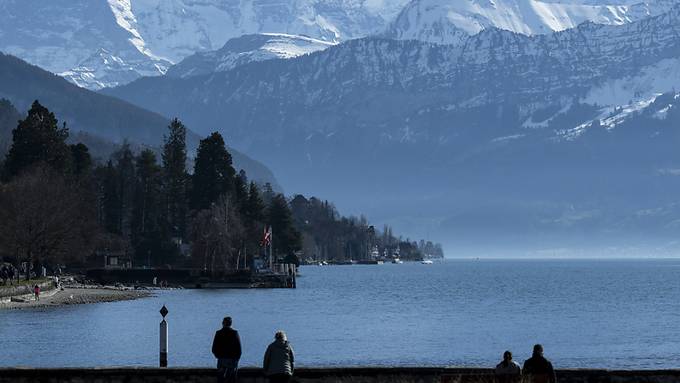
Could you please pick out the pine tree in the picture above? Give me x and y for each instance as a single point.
(8, 121)
(241, 190)
(125, 186)
(287, 239)
(267, 193)
(109, 216)
(255, 207)
(175, 178)
(38, 140)
(213, 173)
(253, 219)
(81, 161)
(148, 210)
(147, 201)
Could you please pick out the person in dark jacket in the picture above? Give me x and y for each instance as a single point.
(227, 349)
(508, 371)
(279, 361)
(538, 369)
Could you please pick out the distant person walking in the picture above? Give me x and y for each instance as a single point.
(227, 349)
(36, 292)
(279, 361)
(538, 369)
(508, 371)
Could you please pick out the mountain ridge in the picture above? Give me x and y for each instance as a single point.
(106, 43)
(246, 49)
(446, 22)
(449, 123)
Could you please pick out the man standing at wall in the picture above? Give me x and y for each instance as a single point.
(227, 349)
(538, 369)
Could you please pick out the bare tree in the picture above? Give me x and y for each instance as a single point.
(44, 219)
(218, 234)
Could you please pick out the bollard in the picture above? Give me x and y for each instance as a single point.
(164, 338)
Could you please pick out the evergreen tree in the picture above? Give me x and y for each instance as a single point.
(253, 219)
(285, 237)
(38, 139)
(241, 190)
(80, 159)
(147, 201)
(109, 216)
(148, 212)
(125, 187)
(175, 178)
(8, 121)
(267, 193)
(213, 172)
(255, 207)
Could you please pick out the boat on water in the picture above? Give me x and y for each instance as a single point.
(426, 262)
(397, 261)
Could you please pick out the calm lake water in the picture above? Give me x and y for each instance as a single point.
(609, 314)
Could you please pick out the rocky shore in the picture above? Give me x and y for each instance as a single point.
(75, 296)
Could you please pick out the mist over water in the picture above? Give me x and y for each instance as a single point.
(587, 313)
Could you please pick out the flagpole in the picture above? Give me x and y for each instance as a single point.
(271, 249)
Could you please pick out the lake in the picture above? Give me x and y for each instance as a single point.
(586, 313)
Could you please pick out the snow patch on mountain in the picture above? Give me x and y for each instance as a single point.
(104, 69)
(448, 22)
(621, 98)
(661, 77)
(246, 49)
(175, 29)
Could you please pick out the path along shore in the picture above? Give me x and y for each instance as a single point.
(74, 296)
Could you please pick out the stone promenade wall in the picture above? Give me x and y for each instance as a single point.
(330, 375)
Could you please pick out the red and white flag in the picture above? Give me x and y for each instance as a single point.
(267, 239)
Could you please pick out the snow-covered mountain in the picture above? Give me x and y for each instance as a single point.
(246, 49)
(175, 29)
(97, 43)
(105, 43)
(453, 127)
(105, 69)
(450, 22)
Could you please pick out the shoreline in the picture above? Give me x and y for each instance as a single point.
(70, 295)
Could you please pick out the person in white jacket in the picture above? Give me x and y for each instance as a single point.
(279, 361)
(508, 371)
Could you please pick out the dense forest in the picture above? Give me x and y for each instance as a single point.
(59, 206)
(329, 236)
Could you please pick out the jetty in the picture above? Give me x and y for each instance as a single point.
(282, 277)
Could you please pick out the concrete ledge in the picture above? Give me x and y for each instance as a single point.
(331, 375)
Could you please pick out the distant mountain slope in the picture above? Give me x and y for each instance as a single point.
(8, 121)
(504, 134)
(246, 49)
(449, 22)
(101, 116)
